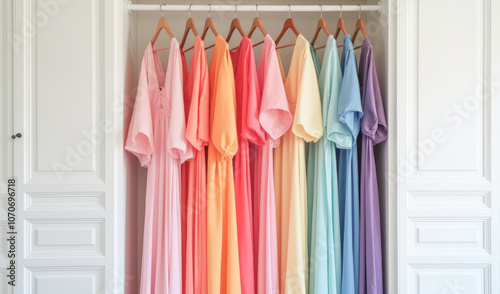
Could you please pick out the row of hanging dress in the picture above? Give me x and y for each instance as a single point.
(233, 204)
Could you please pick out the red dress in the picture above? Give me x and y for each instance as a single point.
(249, 131)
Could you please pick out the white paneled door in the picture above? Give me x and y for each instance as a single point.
(66, 162)
(448, 169)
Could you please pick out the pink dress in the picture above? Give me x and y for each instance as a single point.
(276, 119)
(156, 137)
(194, 173)
(249, 131)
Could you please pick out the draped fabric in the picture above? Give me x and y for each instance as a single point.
(302, 92)
(157, 137)
(194, 178)
(222, 236)
(374, 131)
(253, 182)
(325, 267)
(350, 113)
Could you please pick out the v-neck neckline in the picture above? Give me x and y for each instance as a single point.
(285, 78)
(160, 73)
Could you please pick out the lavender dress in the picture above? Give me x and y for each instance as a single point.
(374, 131)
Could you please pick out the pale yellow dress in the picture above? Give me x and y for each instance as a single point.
(290, 169)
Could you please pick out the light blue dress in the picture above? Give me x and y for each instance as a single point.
(325, 267)
(350, 113)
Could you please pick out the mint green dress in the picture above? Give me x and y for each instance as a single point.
(325, 266)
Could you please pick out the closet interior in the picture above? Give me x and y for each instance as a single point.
(156, 22)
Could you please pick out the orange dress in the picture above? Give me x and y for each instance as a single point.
(222, 239)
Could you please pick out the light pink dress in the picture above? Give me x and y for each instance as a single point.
(156, 137)
(275, 118)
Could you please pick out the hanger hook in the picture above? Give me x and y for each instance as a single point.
(257, 9)
(359, 16)
(289, 10)
(209, 9)
(321, 13)
(190, 10)
(235, 9)
(340, 10)
(161, 10)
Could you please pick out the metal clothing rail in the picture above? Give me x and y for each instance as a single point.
(253, 8)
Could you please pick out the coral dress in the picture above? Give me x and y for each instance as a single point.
(194, 172)
(156, 137)
(302, 91)
(222, 239)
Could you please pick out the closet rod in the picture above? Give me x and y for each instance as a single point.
(252, 8)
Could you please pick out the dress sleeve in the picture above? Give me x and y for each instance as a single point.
(373, 123)
(337, 132)
(197, 122)
(308, 121)
(224, 134)
(177, 144)
(275, 116)
(349, 110)
(140, 139)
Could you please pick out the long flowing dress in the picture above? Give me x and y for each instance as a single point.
(276, 119)
(156, 137)
(325, 267)
(374, 131)
(196, 99)
(302, 92)
(350, 113)
(222, 239)
(249, 131)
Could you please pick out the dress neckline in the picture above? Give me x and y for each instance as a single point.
(160, 73)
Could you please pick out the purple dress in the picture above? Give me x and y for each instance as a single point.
(374, 131)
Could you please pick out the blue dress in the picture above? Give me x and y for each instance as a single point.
(350, 113)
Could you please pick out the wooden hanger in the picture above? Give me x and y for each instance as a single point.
(340, 25)
(235, 25)
(358, 23)
(257, 23)
(289, 24)
(189, 27)
(360, 26)
(162, 24)
(209, 24)
(320, 26)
